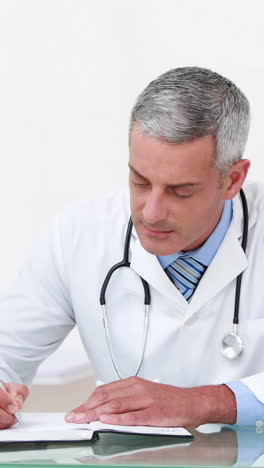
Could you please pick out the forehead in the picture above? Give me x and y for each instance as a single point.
(154, 158)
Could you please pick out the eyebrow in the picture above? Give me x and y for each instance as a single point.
(184, 184)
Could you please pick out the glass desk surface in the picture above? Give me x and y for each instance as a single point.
(212, 445)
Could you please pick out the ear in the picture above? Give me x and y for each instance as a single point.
(235, 177)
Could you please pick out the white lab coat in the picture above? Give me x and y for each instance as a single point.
(60, 287)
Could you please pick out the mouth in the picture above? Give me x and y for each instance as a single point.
(156, 233)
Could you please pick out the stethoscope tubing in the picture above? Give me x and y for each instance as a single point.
(244, 246)
(124, 263)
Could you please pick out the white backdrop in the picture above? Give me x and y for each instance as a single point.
(70, 70)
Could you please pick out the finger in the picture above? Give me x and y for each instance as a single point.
(116, 406)
(6, 402)
(101, 398)
(133, 418)
(109, 392)
(6, 419)
(15, 389)
(144, 417)
(18, 393)
(82, 417)
(97, 402)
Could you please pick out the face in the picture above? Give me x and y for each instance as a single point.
(176, 194)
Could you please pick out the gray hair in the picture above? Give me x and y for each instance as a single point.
(190, 102)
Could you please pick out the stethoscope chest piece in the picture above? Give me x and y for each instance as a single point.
(232, 346)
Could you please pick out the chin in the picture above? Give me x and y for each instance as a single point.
(156, 247)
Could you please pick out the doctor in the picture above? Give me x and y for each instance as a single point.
(187, 135)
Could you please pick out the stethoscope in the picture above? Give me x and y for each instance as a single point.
(232, 344)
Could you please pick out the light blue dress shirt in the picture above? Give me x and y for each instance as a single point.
(249, 408)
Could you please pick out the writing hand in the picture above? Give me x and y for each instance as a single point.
(11, 400)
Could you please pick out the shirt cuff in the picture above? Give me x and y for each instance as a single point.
(249, 408)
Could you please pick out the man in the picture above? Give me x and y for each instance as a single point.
(187, 135)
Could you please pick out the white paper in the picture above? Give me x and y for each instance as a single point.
(52, 426)
(45, 427)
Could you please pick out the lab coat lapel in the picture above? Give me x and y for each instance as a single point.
(229, 261)
(148, 267)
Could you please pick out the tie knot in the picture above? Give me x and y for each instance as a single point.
(186, 273)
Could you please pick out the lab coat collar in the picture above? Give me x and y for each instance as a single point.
(148, 267)
(229, 261)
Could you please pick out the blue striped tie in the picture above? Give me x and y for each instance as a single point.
(185, 272)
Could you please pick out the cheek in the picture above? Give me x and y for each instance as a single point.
(203, 214)
(185, 210)
(194, 216)
(137, 200)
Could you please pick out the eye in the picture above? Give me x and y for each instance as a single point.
(138, 181)
(181, 195)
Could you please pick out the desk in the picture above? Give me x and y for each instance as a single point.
(212, 445)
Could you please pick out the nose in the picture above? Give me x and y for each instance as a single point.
(155, 210)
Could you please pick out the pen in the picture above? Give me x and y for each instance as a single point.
(17, 414)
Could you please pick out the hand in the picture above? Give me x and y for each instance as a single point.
(11, 401)
(135, 401)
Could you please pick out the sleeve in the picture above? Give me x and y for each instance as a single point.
(37, 314)
(249, 409)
